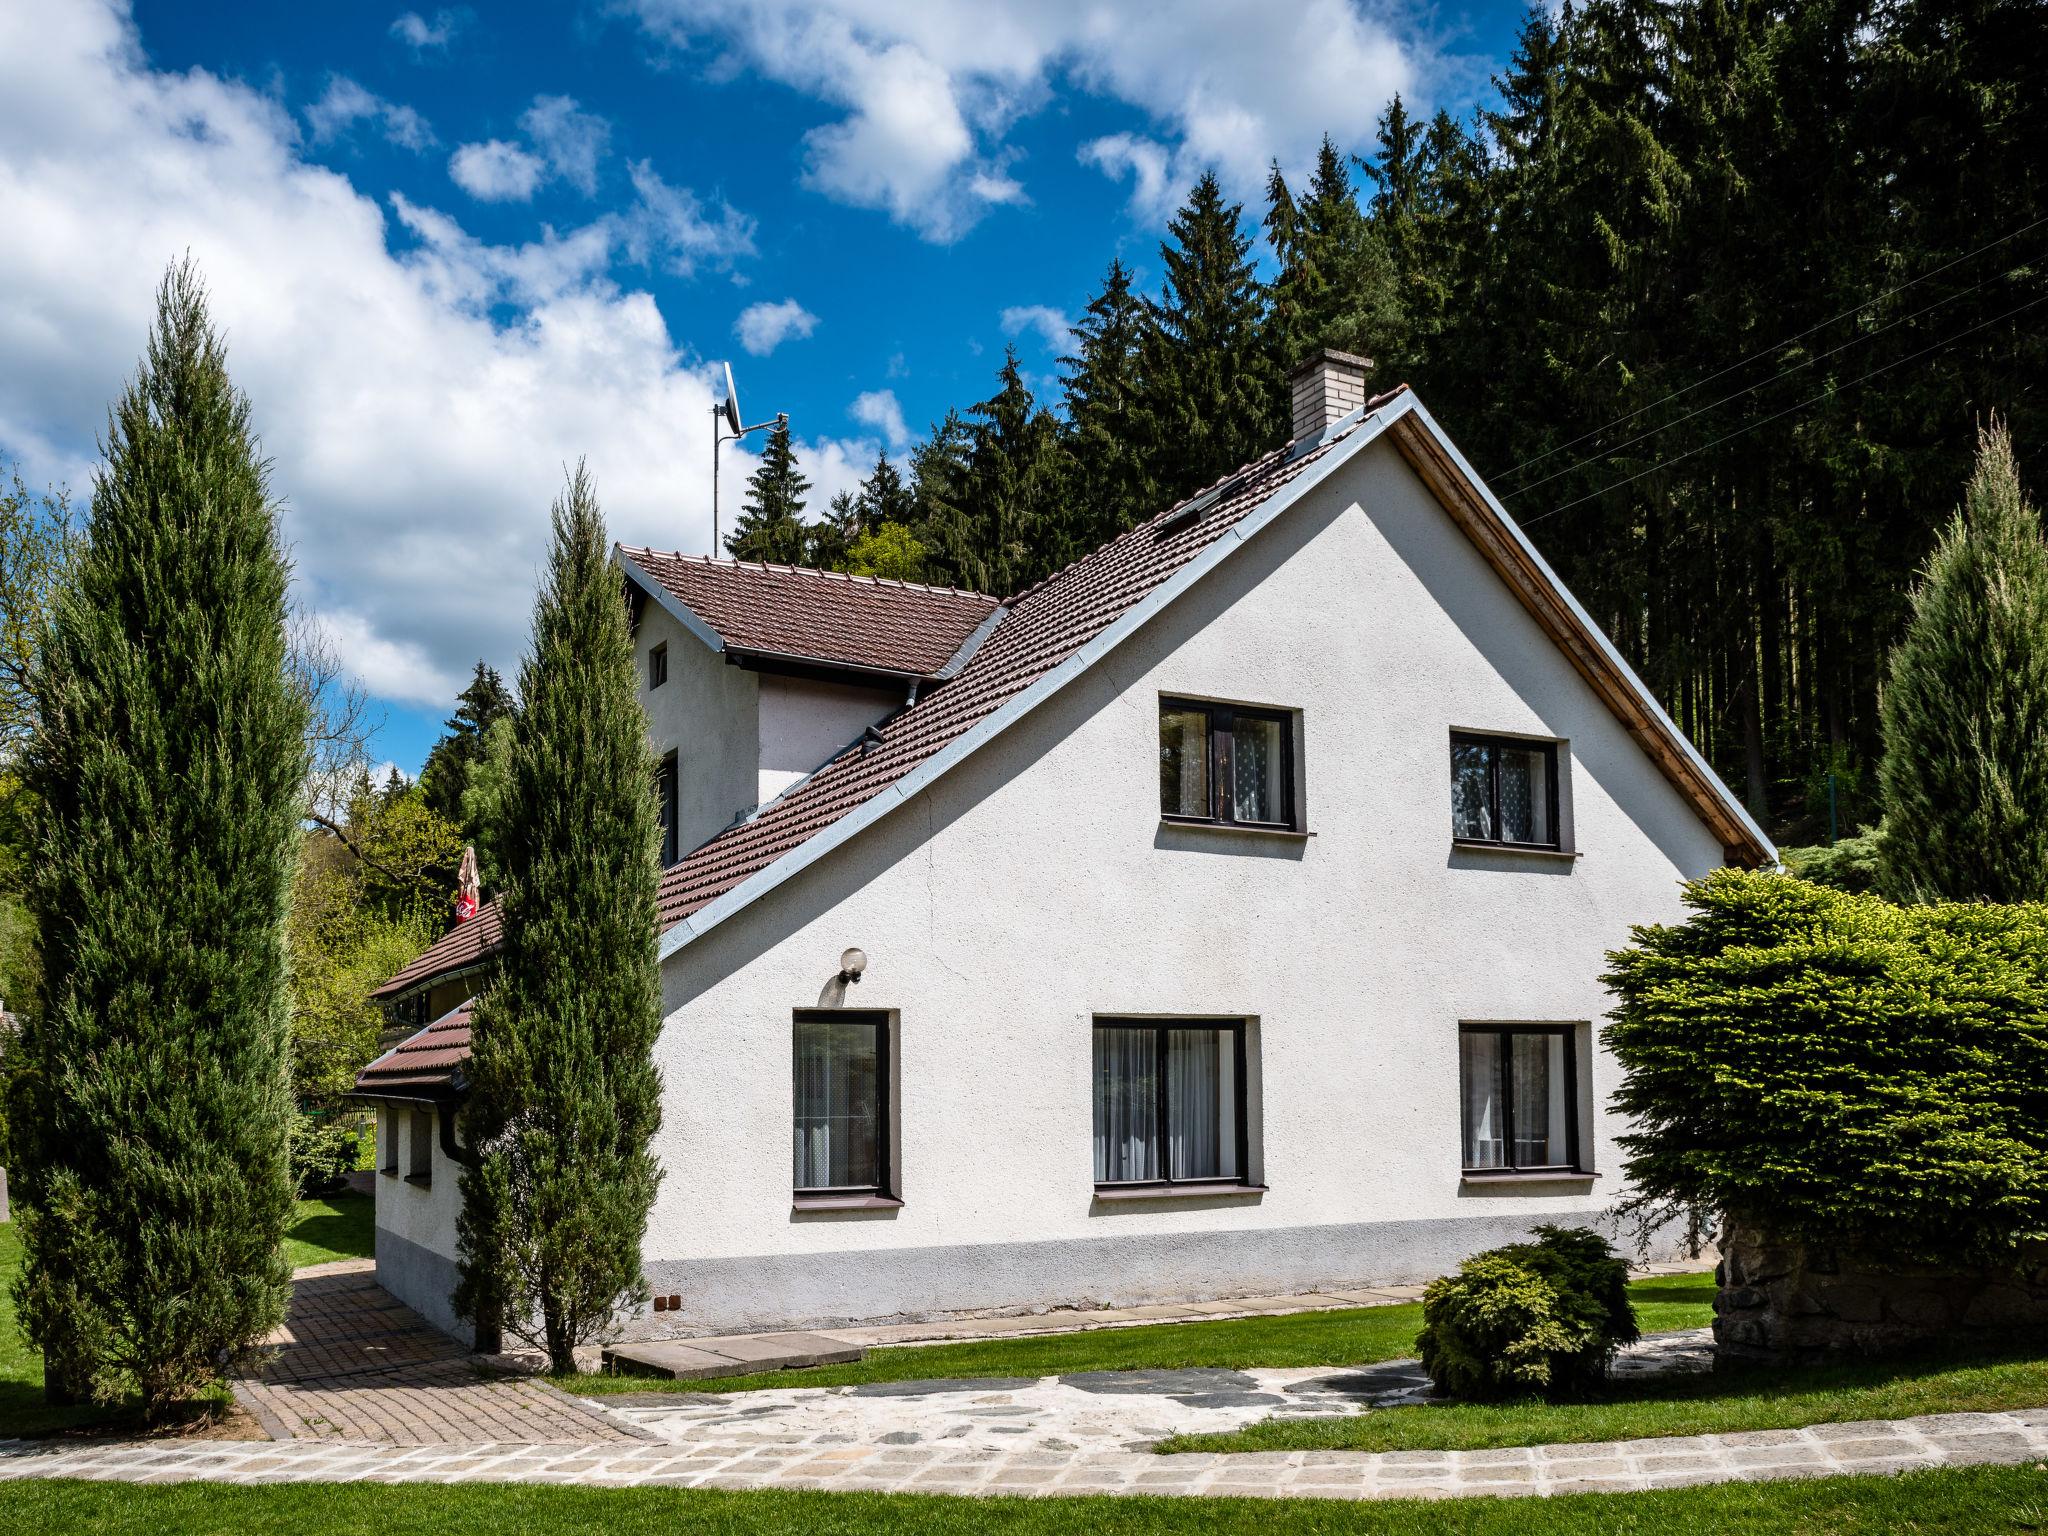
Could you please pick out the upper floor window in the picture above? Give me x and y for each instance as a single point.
(1224, 764)
(667, 787)
(657, 665)
(1520, 1088)
(1504, 790)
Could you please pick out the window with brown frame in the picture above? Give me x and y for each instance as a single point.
(1503, 791)
(1169, 1102)
(1220, 763)
(1519, 1090)
(667, 787)
(841, 1091)
(657, 665)
(420, 1148)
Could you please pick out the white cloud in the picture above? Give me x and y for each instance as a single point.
(496, 172)
(567, 146)
(878, 408)
(418, 406)
(345, 103)
(676, 224)
(571, 142)
(419, 34)
(1149, 164)
(1053, 328)
(763, 327)
(928, 91)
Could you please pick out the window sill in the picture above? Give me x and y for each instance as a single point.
(1517, 1176)
(844, 1203)
(419, 1180)
(387, 1173)
(1239, 828)
(1519, 850)
(1178, 1191)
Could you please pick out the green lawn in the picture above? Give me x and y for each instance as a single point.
(1939, 1503)
(1353, 1337)
(1694, 1405)
(338, 1227)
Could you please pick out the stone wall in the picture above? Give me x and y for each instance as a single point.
(1786, 1301)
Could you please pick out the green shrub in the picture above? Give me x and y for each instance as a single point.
(1837, 1069)
(323, 1149)
(1541, 1318)
(1850, 864)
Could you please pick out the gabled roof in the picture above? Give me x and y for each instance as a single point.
(423, 1065)
(1051, 633)
(460, 949)
(819, 618)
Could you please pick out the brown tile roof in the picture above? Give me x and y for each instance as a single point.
(1041, 627)
(426, 1062)
(824, 617)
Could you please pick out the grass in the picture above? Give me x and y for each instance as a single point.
(336, 1227)
(1692, 1405)
(1962, 1502)
(1355, 1336)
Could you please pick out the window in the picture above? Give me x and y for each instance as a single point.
(1520, 1090)
(1169, 1102)
(841, 1142)
(657, 665)
(1504, 791)
(667, 787)
(421, 1169)
(387, 1128)
(1222, 764)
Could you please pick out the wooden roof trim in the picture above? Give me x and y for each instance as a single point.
(1538, 592)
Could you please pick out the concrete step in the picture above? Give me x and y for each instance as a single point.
(732, 1355)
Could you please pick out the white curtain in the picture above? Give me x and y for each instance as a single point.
(1184, 763)
(1255, 765)
(1539, 1101)
(837, 1145)
(1126, 1105)
(1524, 795)
(1479, 1066)
(1201, 1103)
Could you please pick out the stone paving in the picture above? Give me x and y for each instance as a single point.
(351, 1363)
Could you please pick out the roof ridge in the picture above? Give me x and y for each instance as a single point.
(723, 562)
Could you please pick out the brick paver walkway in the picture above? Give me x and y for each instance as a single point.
(742, 1460)
(351, 1363)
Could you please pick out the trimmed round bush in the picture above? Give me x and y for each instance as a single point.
(1834, 1069)
(1529, 1319)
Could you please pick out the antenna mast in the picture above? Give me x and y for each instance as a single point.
(726, 428)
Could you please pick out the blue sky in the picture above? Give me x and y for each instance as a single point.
(455, 248)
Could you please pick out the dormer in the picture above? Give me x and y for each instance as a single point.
(755, 676)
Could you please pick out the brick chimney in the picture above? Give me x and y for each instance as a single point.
(1326, 385)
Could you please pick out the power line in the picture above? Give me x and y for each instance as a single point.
(1788, 410)
(1818, 357)
(1775, 347)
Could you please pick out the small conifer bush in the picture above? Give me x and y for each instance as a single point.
(1542, 1318)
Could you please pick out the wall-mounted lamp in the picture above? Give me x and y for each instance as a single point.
(851, 964)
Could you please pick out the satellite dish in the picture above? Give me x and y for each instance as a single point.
(732, 402)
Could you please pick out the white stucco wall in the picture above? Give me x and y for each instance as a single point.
(805, 722)
(1035, 887)
(415, 1223)
(707, 713)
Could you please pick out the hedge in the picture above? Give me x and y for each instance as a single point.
(1834, 1068)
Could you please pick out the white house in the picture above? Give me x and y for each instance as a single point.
(1232, 906)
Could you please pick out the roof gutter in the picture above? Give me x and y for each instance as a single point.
(697, 924)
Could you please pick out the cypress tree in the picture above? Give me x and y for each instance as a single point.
(1210, 400)
(564, 1096)
(771, 525)
(168, 772)
(1965, 713)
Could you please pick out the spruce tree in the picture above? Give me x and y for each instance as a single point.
(939, 485)
(884, 498)
(445, 775)
(771, 525)
(1210, 401)
(1014, 483)
(1965, 712)
(564, 1098)
(1109, 485)
(150, 1114)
